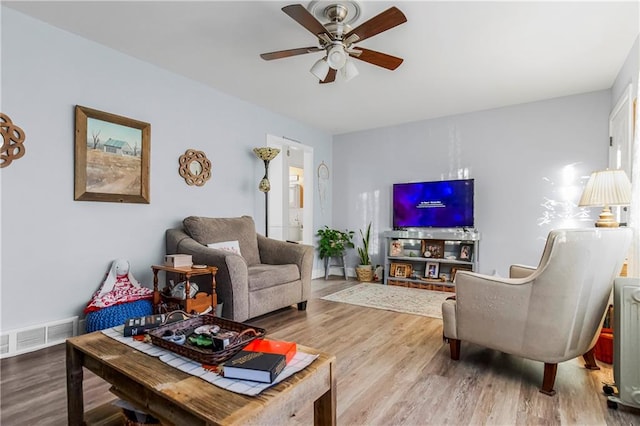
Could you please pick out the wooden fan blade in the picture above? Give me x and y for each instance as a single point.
(303, 17)
(377, 58)
(330, 78)
(287, 53)
(379, 23)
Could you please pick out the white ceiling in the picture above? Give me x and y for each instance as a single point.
(458, 56)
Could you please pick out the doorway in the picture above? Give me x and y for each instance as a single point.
(291, 195)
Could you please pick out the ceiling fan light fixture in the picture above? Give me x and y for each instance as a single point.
(349, 71)
(320, 69)
(336, 57)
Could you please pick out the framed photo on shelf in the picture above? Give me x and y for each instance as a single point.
(433, 249)
(431, 270)
(466, 252)
(400, 270)
(396, 248)
(455, 270)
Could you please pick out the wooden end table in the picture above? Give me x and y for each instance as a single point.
(175, 397)
(197, 304)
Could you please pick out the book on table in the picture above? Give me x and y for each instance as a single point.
(288, 349)
(255, 366)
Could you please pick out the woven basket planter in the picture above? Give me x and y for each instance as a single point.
(364, 274)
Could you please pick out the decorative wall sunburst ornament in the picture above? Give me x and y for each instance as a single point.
(12, 141)
(195, 167)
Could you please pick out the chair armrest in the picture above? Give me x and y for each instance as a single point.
(491, 310)
(275, 252)
(521, 271)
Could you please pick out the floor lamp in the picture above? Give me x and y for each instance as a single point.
(266, 154)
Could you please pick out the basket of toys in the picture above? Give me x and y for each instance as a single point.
(206, 338)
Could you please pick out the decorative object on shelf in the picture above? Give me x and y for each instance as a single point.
(433, 249)
(466, 252)
(456, 269)
(401, 270)
(396, 248)
(195, 167)
(111, 157)
(323, 184)
(431, 270)
(266, 154)
(606, 188)
(364, 271)
(12, 141)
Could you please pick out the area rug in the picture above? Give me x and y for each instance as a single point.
(393, 298)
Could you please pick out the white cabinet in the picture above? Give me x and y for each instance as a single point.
(429, 259)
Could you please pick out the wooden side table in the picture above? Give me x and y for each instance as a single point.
(197, 304)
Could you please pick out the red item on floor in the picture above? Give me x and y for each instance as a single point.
(604, 346)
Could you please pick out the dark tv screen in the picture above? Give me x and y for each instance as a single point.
(438, 204)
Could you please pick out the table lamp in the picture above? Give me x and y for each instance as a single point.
(606, 188)
(266, 154)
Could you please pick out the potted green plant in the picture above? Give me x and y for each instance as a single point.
(364, 271)
(334, 243)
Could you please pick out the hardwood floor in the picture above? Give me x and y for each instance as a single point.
(393, 369)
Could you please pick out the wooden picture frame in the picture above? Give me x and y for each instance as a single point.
(111, 157)
(400, 270)
(465, 252)
(455, 270)
(433, 249)
(432, 270)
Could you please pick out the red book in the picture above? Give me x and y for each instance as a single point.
(288, 349)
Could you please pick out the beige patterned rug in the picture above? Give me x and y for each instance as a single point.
(393, 298)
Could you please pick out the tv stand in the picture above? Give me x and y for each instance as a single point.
(429, 258)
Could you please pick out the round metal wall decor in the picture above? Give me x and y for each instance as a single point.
(12, 141)
(195, 168)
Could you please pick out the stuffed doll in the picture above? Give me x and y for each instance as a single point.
(119, 287)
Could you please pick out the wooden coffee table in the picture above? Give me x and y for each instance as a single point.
(175, 397)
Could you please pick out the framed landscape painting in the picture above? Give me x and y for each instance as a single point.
(111, 157)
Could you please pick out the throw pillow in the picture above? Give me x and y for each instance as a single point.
(207, 230)
(231, 246)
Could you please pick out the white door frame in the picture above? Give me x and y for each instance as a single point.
(621, 141)
(279, 194)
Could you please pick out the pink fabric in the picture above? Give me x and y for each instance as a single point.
(123, 292)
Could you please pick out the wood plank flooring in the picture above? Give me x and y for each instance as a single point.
(393, 369)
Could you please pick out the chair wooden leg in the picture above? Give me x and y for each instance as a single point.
(302, 306)
(549, 379)
(454, 348)
(590, 360)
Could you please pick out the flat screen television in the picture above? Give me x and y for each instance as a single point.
(438, 204)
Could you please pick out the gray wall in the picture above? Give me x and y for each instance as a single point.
(529, 161)
(55, 251)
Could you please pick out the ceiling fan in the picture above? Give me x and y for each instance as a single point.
(336, 37)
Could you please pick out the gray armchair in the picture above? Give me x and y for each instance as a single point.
(551, 313)
(267, 274)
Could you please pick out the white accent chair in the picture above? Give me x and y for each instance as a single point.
(551, 313)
